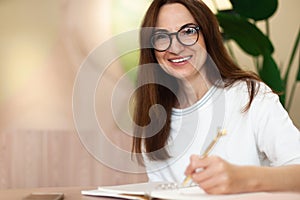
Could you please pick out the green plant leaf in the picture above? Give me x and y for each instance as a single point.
(270, 74)
(255, 9)
(247, 35)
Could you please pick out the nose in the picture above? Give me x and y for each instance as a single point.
(176, 47)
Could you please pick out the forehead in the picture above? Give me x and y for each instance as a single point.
(173, 16)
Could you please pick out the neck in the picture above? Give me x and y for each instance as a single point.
(192, 90)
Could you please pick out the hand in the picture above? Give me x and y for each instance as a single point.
(216, 176)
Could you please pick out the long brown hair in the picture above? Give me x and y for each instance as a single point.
(151, 94)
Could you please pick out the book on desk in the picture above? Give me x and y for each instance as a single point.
(149, 190)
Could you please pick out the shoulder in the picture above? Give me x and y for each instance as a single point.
(238, 94)
(241, 88)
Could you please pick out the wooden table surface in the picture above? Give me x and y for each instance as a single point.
(74, 193)
(70, 193)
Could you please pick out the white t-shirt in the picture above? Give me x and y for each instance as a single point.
(263, 135)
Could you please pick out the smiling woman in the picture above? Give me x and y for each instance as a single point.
(202, 91)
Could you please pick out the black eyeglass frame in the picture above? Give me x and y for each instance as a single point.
(190, 25)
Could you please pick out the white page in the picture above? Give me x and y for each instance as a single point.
(143, 190)
(196, 193)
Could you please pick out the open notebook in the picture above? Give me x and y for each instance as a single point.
(152, 190)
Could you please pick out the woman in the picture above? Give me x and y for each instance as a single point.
(261, 150)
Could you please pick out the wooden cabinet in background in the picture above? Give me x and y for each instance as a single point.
(52, 159)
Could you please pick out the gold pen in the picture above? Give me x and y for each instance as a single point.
(207, 150)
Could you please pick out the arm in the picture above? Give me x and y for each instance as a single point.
(221, 177)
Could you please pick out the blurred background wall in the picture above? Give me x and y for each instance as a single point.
(42, 45)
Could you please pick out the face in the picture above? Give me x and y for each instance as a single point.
(178, 60)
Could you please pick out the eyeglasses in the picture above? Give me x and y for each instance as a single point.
(187, 35)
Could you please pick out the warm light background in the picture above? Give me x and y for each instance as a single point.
(42, 45)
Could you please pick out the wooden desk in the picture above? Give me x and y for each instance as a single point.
(70, 193)
(73, 193)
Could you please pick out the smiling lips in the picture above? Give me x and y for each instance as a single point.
(180, 60)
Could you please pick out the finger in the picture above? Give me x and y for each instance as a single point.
(195, 163)
(192, 165)
(214, 185)
(203, 174)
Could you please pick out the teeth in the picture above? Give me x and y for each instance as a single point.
(180, 59)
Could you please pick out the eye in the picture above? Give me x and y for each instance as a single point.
(160, 37)
(188, 31)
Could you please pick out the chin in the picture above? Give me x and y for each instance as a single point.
(181, 75)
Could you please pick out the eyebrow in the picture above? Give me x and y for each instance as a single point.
(165, 30)
(160, 30)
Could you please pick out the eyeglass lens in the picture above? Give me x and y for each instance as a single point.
(188, 35)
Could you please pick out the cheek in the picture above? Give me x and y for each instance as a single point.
(201, 42)
(201, 51)
(159, 56)
(201, 57)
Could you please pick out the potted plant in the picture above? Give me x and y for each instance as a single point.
(239, 24)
